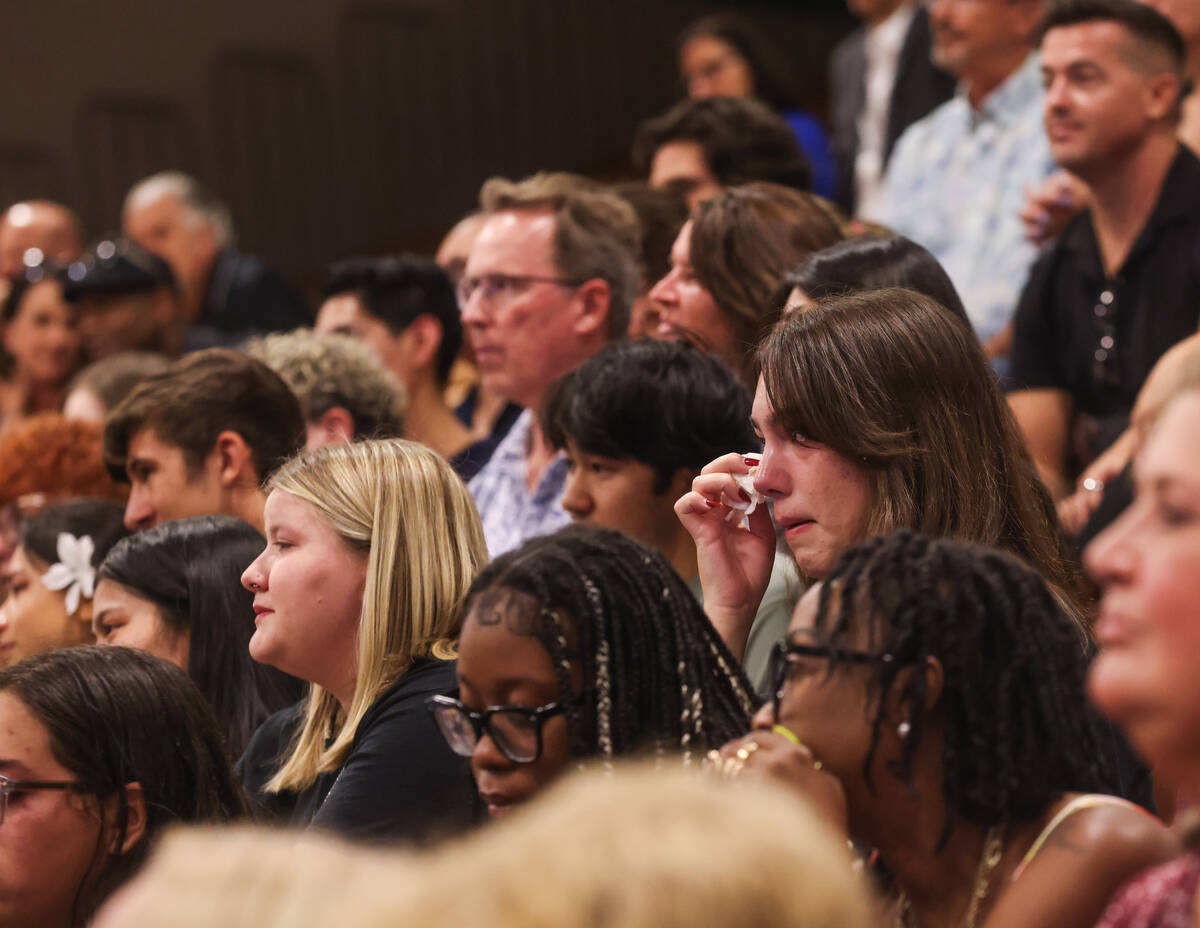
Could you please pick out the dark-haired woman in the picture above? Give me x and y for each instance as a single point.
(51, 577)
(930, 697)
(868, 262)
(578, 645)
(727, 263)
(175, 591)
(100, 749)
(727, 55)
(41, 342)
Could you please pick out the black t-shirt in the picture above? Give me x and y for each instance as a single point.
(400, 781)
(1097, 337)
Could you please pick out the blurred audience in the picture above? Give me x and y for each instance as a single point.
(344, 391)
(727, 263)
(728, 55)
(956, 179)
(34, 231)
(584, 646)
(637, 423)
(201, 437)
(127, 301)
(371, 548)
(51, 577)
(41, 343)
(97, 389)
(551, 279)
(1119, 287)
(698, 147)
(881, 80)
(102, 750)
(225, 295)
(174, 591)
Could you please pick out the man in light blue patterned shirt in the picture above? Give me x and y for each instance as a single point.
(956, 182)
(550, 280)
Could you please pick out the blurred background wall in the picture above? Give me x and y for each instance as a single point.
(340, 126)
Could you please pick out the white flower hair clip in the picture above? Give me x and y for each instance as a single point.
(74, 571)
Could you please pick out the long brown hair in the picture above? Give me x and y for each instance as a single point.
(891, 380)
(743, 243)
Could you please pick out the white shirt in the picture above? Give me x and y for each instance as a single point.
(883, 44)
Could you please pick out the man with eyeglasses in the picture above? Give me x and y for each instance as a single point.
(550, 280)
(1122, 285)
(956, 179)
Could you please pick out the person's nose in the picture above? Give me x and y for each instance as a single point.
(576, 500)
(664, 292)
(139, 511)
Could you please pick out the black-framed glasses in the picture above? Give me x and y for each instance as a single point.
(492, 286)
(777, 666)
(9, 786)
(515, 730)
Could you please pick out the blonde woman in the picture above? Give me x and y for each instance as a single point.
(641, 848)
(370, 550)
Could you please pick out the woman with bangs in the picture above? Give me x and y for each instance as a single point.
(370, 550)
(878, 412)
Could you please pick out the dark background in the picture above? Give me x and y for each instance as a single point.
(336, 126)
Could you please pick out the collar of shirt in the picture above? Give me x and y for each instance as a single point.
(1180, 191)
(1011, 101)
(887, 38)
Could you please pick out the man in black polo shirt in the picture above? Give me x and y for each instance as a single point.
(1123, 282)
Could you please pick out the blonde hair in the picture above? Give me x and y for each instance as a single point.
(405, 506)
(637, 848)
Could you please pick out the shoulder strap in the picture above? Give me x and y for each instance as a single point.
(1078, 804)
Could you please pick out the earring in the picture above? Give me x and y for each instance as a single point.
(903, 729)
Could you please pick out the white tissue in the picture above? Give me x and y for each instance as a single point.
(740, 507)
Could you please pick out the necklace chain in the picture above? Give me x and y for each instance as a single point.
(993, 851)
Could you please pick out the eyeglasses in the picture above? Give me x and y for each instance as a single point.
(777, 666)
(515, 730)
(491, 286)
(8, 787)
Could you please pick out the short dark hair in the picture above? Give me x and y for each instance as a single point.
(742, 141)
(656, 674)
(1140, 19)
(872, 262)
(191, 569)
(117, 716)
(113, 378)
(661, 214)
(774, 82)
(98, 519)
(663, 404)
(1018, 728)
(48, 269)
(398, 290)
(198, 397)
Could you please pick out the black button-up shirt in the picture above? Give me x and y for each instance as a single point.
(1097, 337)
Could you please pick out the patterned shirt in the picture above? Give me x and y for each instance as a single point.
(509, 512)
(956, 184)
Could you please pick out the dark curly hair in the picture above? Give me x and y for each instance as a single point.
(656, 674)
(1018, 729)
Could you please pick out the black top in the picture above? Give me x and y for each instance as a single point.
(244, 298)
(468, 462)
(400, 780)
(1097, 338)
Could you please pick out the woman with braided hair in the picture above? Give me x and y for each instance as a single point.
(930, 697)
(585, 644)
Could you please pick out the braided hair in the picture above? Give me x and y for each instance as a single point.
(656, 675)
(1018, 729)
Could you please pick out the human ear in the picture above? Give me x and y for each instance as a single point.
(1163, 96)
(423, 338)
(233, 457)
(134, 799)
(336, 426)
(929, 687)
(595, 301)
